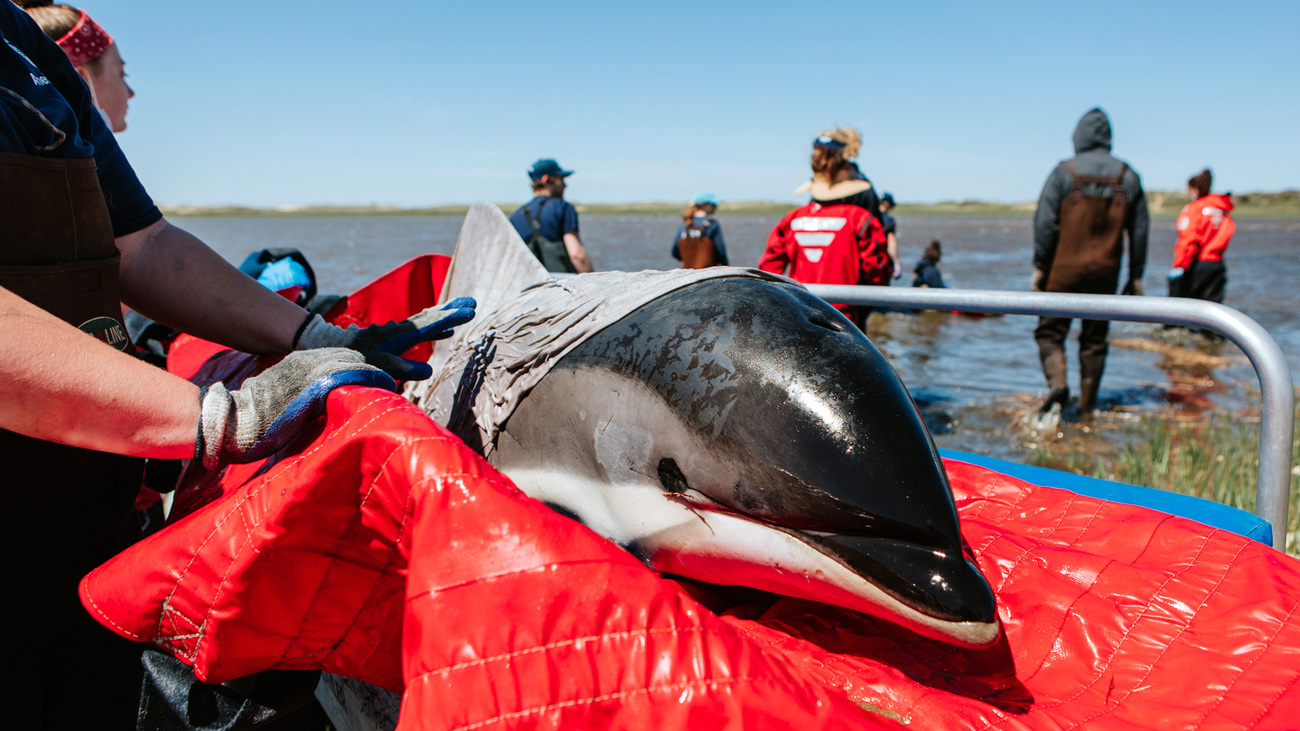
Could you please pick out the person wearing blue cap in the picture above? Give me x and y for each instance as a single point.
(699, 241)
(549, 224)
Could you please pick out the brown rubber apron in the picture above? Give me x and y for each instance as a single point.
(697, 252)
(66, 510)
(1090, 247)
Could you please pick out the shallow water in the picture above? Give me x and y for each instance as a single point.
(972, 375)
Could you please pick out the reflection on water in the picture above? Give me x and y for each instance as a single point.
(972, 375)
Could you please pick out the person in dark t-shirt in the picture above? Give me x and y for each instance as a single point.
(927, 269)
(890, 227)
(548, 223)
(79, 237)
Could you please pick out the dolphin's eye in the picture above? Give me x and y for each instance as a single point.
(671, 477)
(821, 319)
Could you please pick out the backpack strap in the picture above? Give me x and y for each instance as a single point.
(1075, 183)
(533, 224)
(535, 221)
(1119, 181)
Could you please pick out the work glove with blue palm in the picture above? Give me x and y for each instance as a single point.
(383, 345)
(269, 409)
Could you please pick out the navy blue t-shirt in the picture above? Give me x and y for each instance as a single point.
(42, 99)
(927, 275)
(888, 225)
(554, 215)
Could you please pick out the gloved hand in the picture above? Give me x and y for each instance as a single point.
(268, 409)
(1175, 273)
(284, 274)
(1039, 281)
(1134, 287)
(383, 345)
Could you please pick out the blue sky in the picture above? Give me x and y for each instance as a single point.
(424, 103)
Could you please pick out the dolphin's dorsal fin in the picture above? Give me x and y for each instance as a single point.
(491, 263)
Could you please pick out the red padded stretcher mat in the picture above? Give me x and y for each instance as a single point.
(380, 547)
(385, 550)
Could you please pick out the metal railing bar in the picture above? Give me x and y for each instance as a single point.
(1277, 391)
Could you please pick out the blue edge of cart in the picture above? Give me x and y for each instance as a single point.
(1208, 512)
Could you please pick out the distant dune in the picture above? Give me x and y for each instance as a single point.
(1285, 204)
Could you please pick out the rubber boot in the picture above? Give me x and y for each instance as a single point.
(1093, 347)
(1090, 368)
(1054, 369)
(1088, 388)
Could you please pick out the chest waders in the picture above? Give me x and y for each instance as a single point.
(697, 250)
(553, 255)
(1087, 261)
(66, 510)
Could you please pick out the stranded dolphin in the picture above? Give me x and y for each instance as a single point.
(724, 425)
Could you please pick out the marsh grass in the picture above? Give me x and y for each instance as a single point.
(1215, 457)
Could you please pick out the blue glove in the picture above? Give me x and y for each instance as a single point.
(383, 345)
(270, 408)
(283, 274)
(1175, 273)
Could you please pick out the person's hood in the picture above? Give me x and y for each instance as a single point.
(1092, 133)
(1221, 201)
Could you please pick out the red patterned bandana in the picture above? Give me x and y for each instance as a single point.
(86, 41)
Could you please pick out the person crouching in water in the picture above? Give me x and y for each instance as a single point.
(1205, 229)
(927, 269)
(93, 53)
(699, 241)
(836, 238)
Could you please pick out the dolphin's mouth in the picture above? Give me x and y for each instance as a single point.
(939, 584)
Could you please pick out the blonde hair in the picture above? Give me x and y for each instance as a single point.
(828, 162)
(688, 215)
(851, 138)
(55, 20)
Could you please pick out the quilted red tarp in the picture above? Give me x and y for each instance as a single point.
(381, 548)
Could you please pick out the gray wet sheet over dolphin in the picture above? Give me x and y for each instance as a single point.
(527, 322)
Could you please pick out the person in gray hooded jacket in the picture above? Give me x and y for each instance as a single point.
(1086, 207)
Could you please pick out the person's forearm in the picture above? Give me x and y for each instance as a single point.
(172, 277)
(577, 253)
(62, 385)
(891, 245)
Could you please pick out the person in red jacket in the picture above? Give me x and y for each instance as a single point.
(835, 238)
(1205, 229)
